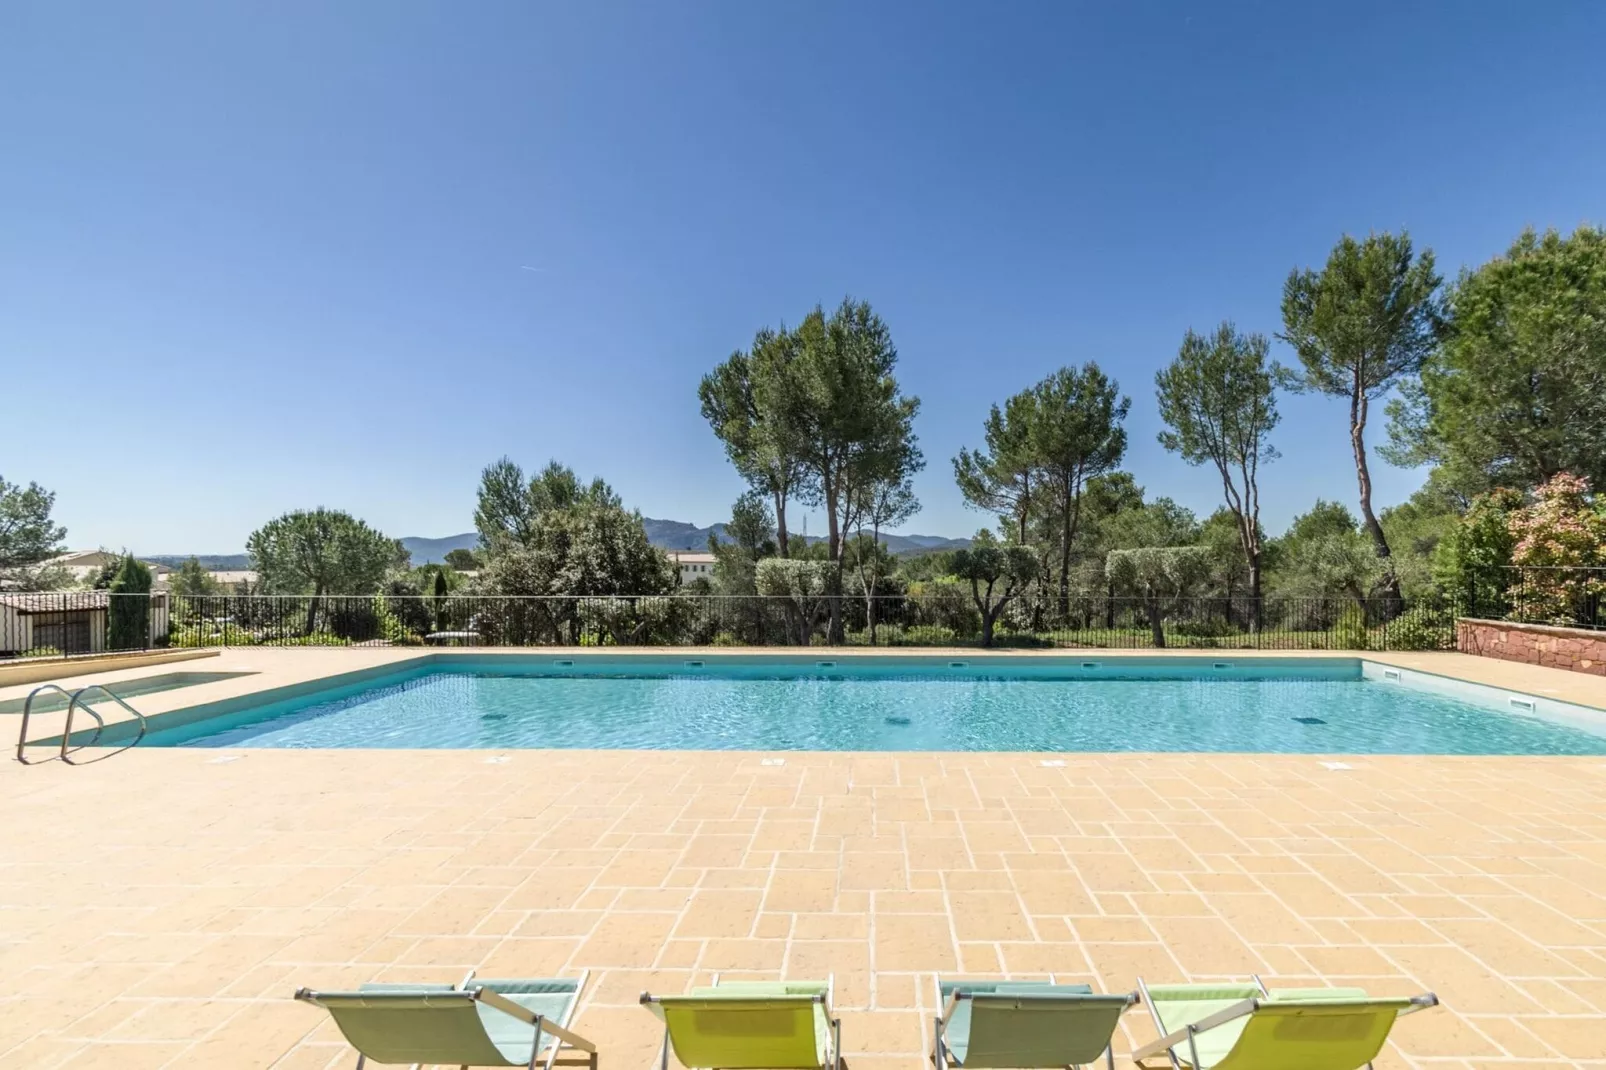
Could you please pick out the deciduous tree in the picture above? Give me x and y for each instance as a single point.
(882, 504)
(1218, 400)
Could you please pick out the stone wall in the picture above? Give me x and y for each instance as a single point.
(1575, 649)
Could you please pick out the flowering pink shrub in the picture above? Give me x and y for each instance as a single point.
(1558, 537)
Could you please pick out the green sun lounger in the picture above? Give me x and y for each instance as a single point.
(477, 1023)
(1247, 1027)
(1024, 1025)
(750, 1025)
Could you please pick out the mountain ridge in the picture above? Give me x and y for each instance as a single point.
(664, 534)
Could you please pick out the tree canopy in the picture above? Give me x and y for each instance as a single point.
(320, 552)
(1517, 392)
(1365, 321)
(747, 401)
(1218, 401)
(1076, 435)
(28, 536)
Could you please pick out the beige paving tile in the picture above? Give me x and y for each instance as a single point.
(656, 870)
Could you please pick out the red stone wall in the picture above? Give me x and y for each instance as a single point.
(1576, 649)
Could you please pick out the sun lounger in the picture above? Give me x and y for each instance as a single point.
(477, 1023)
(1024, 1025)
(1247, 1027)
(751, 1025)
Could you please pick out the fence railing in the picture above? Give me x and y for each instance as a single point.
(80, 623)
(1571, 596)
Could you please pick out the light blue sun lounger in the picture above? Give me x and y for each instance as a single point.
(477, 1023)
(1024, 1025)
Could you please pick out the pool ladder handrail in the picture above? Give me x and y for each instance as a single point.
(76, 699)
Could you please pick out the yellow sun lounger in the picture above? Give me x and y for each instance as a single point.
(750, 1025)
(1246, 1027)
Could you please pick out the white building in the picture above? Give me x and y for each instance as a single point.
(72, 622)
(83, 564)
(693, 566)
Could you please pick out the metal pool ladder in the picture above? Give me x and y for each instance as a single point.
(75, 700)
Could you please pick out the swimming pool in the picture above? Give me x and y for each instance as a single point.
(1281, 705)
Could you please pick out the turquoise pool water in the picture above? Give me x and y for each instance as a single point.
(887, 704)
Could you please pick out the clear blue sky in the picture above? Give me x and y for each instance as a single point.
(257, 257)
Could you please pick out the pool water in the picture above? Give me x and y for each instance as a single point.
(888, 707)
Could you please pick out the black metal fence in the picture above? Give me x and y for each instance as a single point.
(1570, 596)
(79, 623)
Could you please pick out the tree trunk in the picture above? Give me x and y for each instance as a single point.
(780, 523)
(312, 609)
(1065, 556)
(834, 551)
(988, 612)
(1256, 616)
(1357, 435)
(1151, 603)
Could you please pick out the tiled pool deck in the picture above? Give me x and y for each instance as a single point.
(159, 907)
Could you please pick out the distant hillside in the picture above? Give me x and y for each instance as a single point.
(665, 534)
(434, 551)
(679, 535)
(210, 562)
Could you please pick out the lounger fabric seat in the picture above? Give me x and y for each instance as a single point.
(1296, 1029)
(1017, 1025)
(405, 1024)
(749, 1025)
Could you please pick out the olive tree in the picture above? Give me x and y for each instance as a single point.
(1159, 576)
(997, 573)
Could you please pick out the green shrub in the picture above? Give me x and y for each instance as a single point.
(725, 639)
(128, 623)
(923, 635)
(946, 603)
(1350, 632)
(1421, 628)
(42, 652)
(208, 633)
(1021, 639)
(313, 639)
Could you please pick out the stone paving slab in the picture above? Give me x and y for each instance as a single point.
(158, 908)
